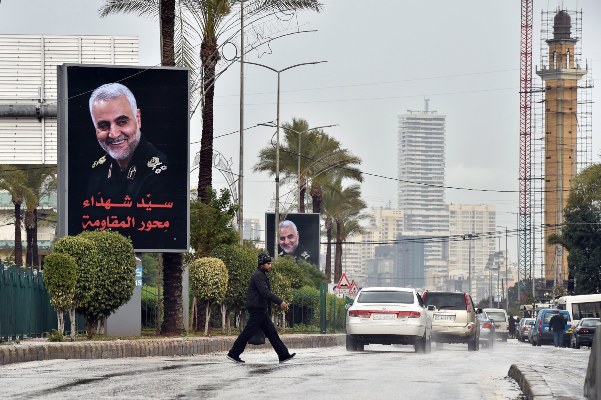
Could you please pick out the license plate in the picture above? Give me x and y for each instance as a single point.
(444, 317)
(380, 317)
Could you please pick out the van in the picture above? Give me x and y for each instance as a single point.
(499, 316)
(541, 332)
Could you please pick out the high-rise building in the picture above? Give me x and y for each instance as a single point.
(421, 173)
(472, 242)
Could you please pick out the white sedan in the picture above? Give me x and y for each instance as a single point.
(388, 315)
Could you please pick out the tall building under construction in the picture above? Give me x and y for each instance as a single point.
(565, 134)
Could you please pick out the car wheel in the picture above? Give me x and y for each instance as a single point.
(576, 344)
(420, 344)
(504, 338)
(473, 344)
(428, 347)
(351, 344)
(538, 342)
(360, 346)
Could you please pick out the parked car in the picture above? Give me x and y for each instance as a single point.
(487, 330)
(388, 315)
(583, 332)
(453, 318)
(541, 333)
(524, 328)
(501, 322)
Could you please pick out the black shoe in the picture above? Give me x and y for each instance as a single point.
(235, 359)
(287, 358)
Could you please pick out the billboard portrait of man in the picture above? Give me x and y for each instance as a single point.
(124, 153)
(298, 236)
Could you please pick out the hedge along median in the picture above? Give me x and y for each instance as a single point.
(24, 352)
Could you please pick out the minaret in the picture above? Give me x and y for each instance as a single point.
(561, 86)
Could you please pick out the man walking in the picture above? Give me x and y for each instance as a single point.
(557, 325)
(258, 303)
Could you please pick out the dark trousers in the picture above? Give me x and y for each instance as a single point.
(259, 320)
(558, 338)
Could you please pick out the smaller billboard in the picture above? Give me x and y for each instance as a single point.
(298, 236)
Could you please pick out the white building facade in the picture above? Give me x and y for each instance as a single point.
(421, 173)
(28, 87)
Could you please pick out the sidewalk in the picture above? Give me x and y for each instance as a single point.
(185, 346)
(546, 382)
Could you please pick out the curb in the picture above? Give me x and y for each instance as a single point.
(18, 353)
(535, 387)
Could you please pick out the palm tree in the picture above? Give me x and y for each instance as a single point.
(41, 181)
(342, 208)
(321, 158)
(211, 19)
(173, 322)
(13, 179)
(344, 228)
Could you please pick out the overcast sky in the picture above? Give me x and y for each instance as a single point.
(384, 58)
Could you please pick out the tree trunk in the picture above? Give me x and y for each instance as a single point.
(193, 317)
(207, 317)
(328, 225)
(316, 196)
(60, 316)
(167, 12)
(73, 317)
(173, 321)
(302, 192)
(30, 237)
(35, 248)
(209, 57)
(18, 239)
(338, 253)
(223, 314)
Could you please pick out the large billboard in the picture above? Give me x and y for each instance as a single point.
(298, 236)
(124, 153)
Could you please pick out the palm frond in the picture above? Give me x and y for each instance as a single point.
(147, 8)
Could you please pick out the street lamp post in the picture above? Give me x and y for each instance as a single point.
(506, 287)
(277, 148)
(469, 237)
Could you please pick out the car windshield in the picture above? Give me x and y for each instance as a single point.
(497, 316)
(446, 301)
(386, 296)
(529, 322)
(590, 322)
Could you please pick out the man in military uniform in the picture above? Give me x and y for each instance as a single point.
(289, 241)
(131, 166)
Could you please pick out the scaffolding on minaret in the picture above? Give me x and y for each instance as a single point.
(583, 151)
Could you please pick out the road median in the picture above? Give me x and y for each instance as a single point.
(160, 347)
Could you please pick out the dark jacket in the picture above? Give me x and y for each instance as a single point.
(557, 323)
(259, 295)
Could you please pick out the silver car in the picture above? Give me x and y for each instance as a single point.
(388, 315)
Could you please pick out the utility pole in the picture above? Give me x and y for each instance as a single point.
(241, 166)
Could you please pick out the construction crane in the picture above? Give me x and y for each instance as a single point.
(525, 170)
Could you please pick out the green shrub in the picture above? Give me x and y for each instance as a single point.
(55, 336)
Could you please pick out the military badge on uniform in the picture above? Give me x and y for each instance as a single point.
(156, 165)
(100, 161)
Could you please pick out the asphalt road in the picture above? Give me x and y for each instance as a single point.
(379, 372)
